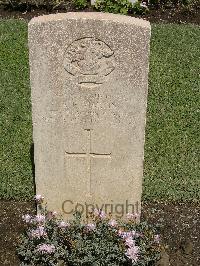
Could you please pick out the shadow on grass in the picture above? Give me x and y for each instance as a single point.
(33, 165)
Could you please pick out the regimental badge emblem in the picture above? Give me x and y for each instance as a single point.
(90, 61)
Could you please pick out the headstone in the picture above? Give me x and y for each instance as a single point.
(89, 80)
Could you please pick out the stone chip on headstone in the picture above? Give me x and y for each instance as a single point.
(89, 80)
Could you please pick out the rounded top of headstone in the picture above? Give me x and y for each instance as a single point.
(91, 16)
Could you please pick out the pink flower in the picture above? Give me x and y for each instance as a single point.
(63, 225)
(99, 213)
(133, 232)
(46, 248)
(102, 214)
(132, 216)
(96, 212)
(26, 218)
(37, 233)
(41, 230)
(139, 235)
(143, 4)
(39, 218)
(38, 198)
(125, 235)
(120, 232)
(51, 215)
(137, 215)
(133, 253)
(157, 239)
(112, 223)
(129, 242)
(90, 227)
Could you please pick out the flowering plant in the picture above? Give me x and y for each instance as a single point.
(121, 6)
(101, 240)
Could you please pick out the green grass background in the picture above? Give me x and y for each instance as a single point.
(15, 112)
(172, 132)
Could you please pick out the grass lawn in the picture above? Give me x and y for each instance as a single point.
(172, 133)
(171, 159)
(15, 112)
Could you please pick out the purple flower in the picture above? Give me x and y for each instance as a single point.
(37, 233)
(63, 225)
(39, 198)
(112, 223)
(26, 218)
(39, 218)
(157, 239)
(90, 227)
(133, 253)
(46, 248)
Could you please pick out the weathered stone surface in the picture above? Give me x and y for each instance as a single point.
(89, 79)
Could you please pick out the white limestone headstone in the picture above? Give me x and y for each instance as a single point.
(89, 80)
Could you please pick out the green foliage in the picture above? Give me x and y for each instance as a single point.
(139, 8)
(18, 3)
(191, 5)
(114, 6)
(80, 4)
(101, 241)
(174, 3)
(122, 6)
(49, 4)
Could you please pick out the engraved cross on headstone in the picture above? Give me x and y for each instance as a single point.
(89, 155)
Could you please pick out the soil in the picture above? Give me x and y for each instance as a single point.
(176, 14)
(179, 227)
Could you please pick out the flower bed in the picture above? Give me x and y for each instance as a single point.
(100, 240)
